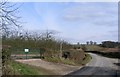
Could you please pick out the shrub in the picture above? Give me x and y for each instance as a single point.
(76, 55)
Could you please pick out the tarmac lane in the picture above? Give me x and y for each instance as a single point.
(98, 66)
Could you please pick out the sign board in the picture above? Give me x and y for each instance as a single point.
(26, 50)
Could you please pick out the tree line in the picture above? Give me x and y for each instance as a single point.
(110, 44)
(35, 40)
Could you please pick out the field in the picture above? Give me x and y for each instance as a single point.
(93, 48)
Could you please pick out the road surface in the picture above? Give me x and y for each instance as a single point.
(99, 65)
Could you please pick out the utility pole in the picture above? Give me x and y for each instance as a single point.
(61, 49)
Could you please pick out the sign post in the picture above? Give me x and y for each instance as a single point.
(26, 52)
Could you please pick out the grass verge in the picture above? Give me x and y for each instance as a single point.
(24, 69)
(86, 59)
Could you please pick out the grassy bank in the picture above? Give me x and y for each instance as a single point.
(86, 59)
(69, 62)
(58, 60)
(24, 69)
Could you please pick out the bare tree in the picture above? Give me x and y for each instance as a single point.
(8, 23)
(8, 17)
(91, 43)
(95, 43)
(87, 42)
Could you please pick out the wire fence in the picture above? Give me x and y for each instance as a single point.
(21, 54)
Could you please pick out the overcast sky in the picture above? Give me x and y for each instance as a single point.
(75, 21)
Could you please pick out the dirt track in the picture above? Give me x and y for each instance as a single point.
(59, 69)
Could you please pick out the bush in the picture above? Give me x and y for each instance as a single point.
(5, 58)
(76, 55)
